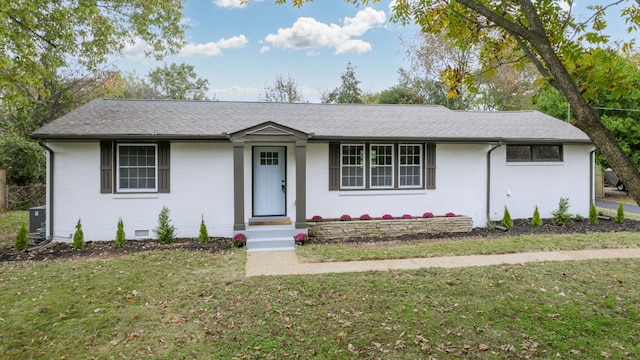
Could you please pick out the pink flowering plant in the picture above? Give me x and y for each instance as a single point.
(301, 238)
(427, 215)
(316, 218)
(345, 217)
(365, 217)
(450, 214)
(239, 240)
(387, 217)
(407, 216)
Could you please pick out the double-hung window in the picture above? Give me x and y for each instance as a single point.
(381, 166)
(137, 166)
(410, 166)
(352, 168)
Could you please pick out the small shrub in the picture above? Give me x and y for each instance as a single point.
(120, 236)
(345, 217)
(407, 216)
(78, 236)
(427, 215)
(578, 218)
(300, 238)
(593, 214)
(561, 216)
(365, 217)
(507, 222)
(536, 221)
(450, 214)
(316, 218)
(387, 217)
(22, 242)
(165, 231)
(203, 236)
(491, 226)
(620, 213)
(239, 240)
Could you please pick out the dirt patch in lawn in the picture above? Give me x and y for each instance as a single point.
(107, 249)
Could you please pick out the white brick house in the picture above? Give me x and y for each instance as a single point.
(235, 164)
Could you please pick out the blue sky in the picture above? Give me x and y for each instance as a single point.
(241, 49)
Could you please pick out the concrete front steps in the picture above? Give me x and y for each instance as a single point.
(270, 237)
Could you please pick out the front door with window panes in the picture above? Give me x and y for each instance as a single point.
(269, 186)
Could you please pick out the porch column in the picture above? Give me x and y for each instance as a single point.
(238, 185)
(301, 184)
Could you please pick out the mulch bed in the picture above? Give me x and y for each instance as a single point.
(107, 249)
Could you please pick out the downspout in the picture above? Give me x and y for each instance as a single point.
(592, 175)
(489, 180)
(50, 200)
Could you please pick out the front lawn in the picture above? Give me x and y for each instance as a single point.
(190, 304)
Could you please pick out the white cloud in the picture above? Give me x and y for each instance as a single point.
(237, 93)
(307, 33)
(356, 46)
(136, 51)
(214, 48)
(264, 49)
(229, 4)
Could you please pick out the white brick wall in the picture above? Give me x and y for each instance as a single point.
(202, 185)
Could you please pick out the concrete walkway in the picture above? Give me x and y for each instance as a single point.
(287, 263)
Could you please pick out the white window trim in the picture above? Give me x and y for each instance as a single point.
(422, 159)
(127, 190)
(392, 166)
(363, 165)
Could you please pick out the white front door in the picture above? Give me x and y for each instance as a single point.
(269, 186)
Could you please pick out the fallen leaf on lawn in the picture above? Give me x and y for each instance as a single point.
(177, 320)
(483, 347)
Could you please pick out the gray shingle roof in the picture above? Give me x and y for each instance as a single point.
(115, 118)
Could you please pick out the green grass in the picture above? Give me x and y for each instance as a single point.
(468, 246)
(177, 304)
(10, 223)
(181, 304)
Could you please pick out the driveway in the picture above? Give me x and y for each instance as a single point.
(607, 204)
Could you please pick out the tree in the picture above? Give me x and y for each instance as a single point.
(508, 88)
(621, 116)
(178, 82)
(283, 90)
(433, 59)
(564, 51)
(348, 92)
(400, 95)
(40, 37)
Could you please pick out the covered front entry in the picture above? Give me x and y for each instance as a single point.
(268, 189)
(269, 184)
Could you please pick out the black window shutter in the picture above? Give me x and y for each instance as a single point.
(164, 168)
(334, 166)
(431, 166)
(106, 167)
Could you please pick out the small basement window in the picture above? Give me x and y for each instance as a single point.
(534, 153)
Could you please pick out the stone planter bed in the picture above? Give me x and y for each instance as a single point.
(334, 228)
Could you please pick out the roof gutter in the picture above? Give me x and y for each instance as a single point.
(489, 179)
(51, 187)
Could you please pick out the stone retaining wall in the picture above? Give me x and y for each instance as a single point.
(388, 228)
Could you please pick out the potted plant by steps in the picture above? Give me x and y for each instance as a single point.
(239, 240)
(301, 238)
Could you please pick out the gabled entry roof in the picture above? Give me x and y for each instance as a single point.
(211, 120)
